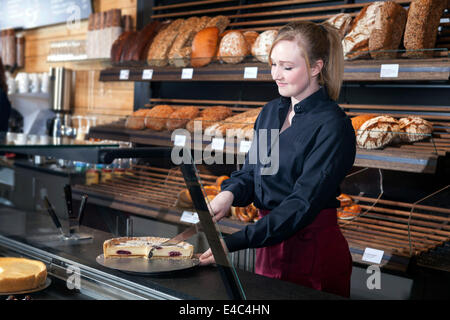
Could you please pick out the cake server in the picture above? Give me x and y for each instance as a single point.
(186, 234)
(53, 215)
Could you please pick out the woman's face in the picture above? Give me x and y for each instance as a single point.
(290, 72)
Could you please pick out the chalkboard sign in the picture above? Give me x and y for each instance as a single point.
(29, 14)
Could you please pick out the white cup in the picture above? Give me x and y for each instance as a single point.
(35, 84)
(44, 82)
(23, 82)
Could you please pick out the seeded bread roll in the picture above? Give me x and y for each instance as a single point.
(180, 117)
(388, 31)
(204, 46)
(263, 44)
(377, 132)
(342, 22)
(422, 26)
(157, 117)
(415, 129)
(136, 121)
(233, 47)
(157, 54)
(356, 42)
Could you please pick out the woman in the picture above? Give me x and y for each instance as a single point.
(5, 105)
(298, 238)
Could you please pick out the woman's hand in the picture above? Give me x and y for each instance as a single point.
(221, 205)
(207, 257)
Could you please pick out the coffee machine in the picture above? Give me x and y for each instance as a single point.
(61, 82)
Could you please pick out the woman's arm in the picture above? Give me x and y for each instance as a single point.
(325, 167)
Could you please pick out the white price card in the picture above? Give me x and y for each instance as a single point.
(189, 217)
(124, 74)
(251, 73)
(147, 74)
(187, 73)
(373, 255)
(389, 71)
(217, 144)
(244, 146)
(180, 140)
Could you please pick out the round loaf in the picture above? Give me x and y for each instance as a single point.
(415, 129)
(204, 46)
(233, 47)
(358, 121)
(263, 44)
(136, 121)
(377, 132)
(250, 37)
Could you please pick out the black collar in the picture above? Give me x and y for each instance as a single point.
(307, 104)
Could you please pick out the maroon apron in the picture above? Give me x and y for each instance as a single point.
(317, 256)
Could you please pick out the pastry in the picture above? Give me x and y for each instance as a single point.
(221, 179)
(422, 26)
(377, 132)
(415, 129)
(20, 274)
(263, 44)
(349, 212)
(342, 22)
(356, 42)
(139, 247)
(156, 117)
(358, 121)
(345, 200)
(233, 47)
(388, 31)
(246, 214)
(180, 117)
(136, 121)
(204, 46)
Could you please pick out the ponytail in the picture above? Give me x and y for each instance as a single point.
(318, 42)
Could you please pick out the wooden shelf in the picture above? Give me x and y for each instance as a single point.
(358, 70)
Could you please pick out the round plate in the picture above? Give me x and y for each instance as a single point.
(142, 266)
(47, 283)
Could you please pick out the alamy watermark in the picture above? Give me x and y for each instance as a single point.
(73, 281)
(374, 280)
(263, 152)
(73, 21)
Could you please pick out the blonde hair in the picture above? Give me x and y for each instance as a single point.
(318, 42)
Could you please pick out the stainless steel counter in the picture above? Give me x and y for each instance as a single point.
(32, 234)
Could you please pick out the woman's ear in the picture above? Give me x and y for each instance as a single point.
(317, 68)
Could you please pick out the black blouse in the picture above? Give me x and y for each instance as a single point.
(5, 110)
(315, 153)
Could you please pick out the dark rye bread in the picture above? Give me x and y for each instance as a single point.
(118, 45)
(139, 49)
(388, 31)
(422, 26)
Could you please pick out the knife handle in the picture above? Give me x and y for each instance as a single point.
(82, 207)
(68, 196)
(52, 213)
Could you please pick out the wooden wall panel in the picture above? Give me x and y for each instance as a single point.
(91, 95)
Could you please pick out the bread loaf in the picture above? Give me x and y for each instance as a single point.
(358, 121)
(204, 46)
(250, 38)
(422, 26)
(388, 31)
(117, 47)
(157, 54)
(356, 42)
(208, 117)
(156, 118)
(377, 132)
(233, 47)
(185, 35)
(136, 121)
(221, 22)
(128, 46)
(143, 39)
(235, 124)
(342, 22)
(180, 117)
(415, 129)
(263, 44)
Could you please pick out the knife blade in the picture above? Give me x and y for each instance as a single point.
(186, 234)
(73, 223)
(82, 207)
(53, 215)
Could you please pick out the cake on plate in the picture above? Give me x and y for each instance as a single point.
(139, 247)
(20, 274)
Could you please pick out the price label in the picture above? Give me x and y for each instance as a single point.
(389, 71)
(124, 74)
(217, 144)
(251, 73)
(373, 255)
(147, 74)
(189, 217)
(180, 141)
(187, 73)
(244, 146)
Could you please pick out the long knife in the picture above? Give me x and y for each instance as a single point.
(53, 215)
(186, 234)
(73, 219)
